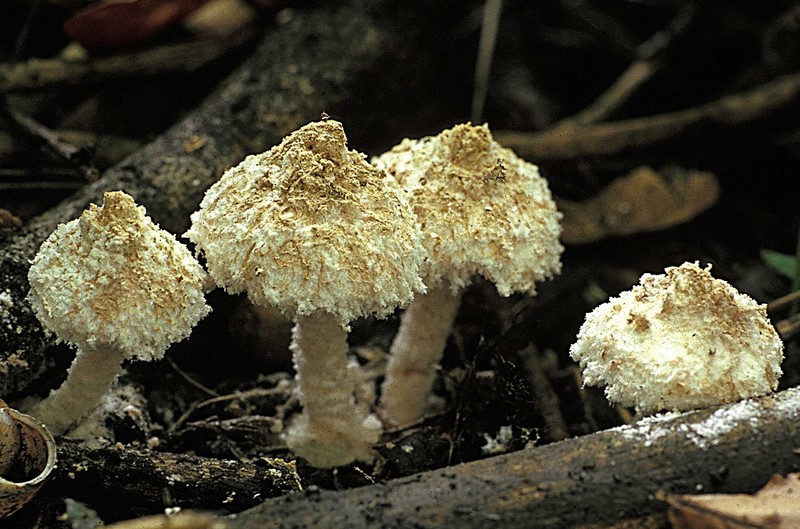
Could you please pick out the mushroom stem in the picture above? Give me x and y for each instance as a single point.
(90, 377)
(415, 354)
(333, 429)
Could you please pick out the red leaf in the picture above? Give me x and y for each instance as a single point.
(118, 23)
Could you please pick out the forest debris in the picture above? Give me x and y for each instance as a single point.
(9, 221)
(220, 18)
(117, 23)
(178, 520)
(260, 101)
(140, 477)
(650, 55)
(80, 157)
(603, 476)
(184, 57)
(775, 506)
(643, 200)
(617, 136)
(789, 327)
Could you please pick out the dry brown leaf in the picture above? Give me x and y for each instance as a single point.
(8, 221)
(775, 506)
(643, 200)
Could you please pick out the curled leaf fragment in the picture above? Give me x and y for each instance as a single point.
(775, 506)
(643, 200)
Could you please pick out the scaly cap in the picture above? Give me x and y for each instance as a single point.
(309, 225)
(481, 210)
(114, 278)
(678, 341)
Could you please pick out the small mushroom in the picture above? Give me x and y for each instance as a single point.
(313, 229)
(679, 341)
(27, 457)
(115, 286)
(481, 211)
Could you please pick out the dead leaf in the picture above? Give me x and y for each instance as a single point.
(644, 200)
(119, 23)
(8, 221)
(775, 506)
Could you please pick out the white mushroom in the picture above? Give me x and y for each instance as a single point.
(314, 230)
(115, 286)
(481, 211)
(679, 341)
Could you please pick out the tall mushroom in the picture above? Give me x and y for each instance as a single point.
(481, 211)
(115, 286)
(677, 341)
(314, 230)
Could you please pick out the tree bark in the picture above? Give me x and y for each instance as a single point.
(595, 479)
(335, 57)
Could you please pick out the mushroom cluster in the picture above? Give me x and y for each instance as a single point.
(115, 286)
(481, 211)
(313, 229)
(678, 341)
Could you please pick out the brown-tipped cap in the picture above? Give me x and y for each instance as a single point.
(113, 278)
(481, 210)
(309, 225)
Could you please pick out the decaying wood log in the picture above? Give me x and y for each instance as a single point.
(147, 481)
(596, 478)
(337, 58)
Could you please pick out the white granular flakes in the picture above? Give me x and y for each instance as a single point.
(708, 431)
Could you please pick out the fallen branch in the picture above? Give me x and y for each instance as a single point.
(561, 143)
(594, 479)
(146, 481)
(183, 57)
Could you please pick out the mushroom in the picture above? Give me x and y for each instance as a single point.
(115, 286)
(679, 341)
(313, 229)
(481, 211)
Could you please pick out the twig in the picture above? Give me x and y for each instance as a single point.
(79, 157)
(108, 148)
(483, 64)
(546, 398)
(650, 55)
(189, 380)
(783, 301)
(615, 137)
(789, 327)
(239, 395)
(187, 57)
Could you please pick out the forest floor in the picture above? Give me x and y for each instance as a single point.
(619, 104)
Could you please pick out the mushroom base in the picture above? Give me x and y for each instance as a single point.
(333, 429)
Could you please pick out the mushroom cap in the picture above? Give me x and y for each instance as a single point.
(481, 210)
(311, 226)
(113, 278)
(679, 341)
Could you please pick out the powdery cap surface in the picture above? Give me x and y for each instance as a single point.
(113, 278)
(310, 225)
(679, 341)
(481, 210)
